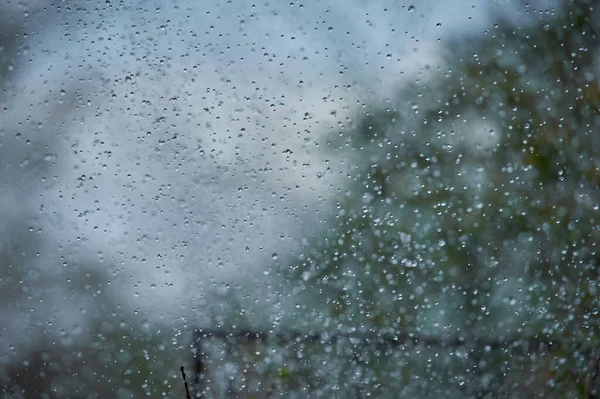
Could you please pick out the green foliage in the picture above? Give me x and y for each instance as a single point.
(120, 361)
(474, 206)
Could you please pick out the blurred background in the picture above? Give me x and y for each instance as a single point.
(333, 166)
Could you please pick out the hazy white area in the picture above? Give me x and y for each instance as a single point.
(187, 137)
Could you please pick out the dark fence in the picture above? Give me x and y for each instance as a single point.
(258, 364)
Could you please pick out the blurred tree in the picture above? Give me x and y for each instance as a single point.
(124, 358)
(473, 208)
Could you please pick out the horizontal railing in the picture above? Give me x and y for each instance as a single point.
(477, 347)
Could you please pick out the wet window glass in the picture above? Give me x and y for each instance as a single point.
(295, 199)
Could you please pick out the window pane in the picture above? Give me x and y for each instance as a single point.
(347, 198)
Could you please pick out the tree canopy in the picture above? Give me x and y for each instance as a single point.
(472, 209)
